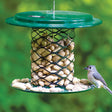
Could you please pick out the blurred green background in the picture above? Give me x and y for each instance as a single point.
(93, 46)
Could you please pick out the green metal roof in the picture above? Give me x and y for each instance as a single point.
(45, 19)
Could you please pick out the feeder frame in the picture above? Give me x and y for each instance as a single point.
(44, 22)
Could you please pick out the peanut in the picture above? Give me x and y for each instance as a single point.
(56, 67)
(67, 52)
(71, 66)
(66, 82)
(61, 82)
(19, 85)
(70, 77)
(35, 56)
(60, 63)
(71, 56)
(49, 58)
(71, 46)
(34, 66)
(49, 78)
(40, 74)
(75, 80)
(69, 86)
(41, 83)
(52, 86)
(62, 53)
(56, 58)
(66, 71)
(66, 62)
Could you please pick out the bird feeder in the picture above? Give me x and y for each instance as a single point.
(52, 50)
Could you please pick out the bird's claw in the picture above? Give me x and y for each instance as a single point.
(93, 86)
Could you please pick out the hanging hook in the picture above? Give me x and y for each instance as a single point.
(53, 9)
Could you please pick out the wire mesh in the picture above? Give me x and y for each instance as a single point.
(52, 57)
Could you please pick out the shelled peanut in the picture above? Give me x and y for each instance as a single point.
(25, 84)
(49, 58)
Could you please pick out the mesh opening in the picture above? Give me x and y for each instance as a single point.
(52, 57)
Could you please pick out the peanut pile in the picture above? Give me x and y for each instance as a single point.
(25, 85)
(52, 62)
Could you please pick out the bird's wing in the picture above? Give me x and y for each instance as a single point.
(97, 76)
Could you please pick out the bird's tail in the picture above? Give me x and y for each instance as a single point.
(105, 87)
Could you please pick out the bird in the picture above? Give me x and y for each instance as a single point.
(95, 78)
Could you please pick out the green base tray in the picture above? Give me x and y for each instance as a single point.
(62, 92)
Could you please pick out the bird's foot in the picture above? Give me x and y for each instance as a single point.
(93, 86)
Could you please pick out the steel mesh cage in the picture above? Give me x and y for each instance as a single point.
(52, 57)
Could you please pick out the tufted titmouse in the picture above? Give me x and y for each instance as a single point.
(95, 78)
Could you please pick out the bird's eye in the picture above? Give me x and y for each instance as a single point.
(90, 67)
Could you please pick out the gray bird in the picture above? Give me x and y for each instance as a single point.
(95, 78)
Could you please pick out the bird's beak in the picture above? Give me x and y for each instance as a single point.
(86, 68)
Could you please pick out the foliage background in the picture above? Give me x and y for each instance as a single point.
(93, 46)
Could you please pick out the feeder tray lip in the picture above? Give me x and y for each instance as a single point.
(47, 90)
(44, 19)
(62, 92)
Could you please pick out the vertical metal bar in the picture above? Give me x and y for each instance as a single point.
(53, 9)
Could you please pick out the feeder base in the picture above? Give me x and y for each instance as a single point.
(26, 86)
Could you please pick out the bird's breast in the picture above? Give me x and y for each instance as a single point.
(93, 80)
